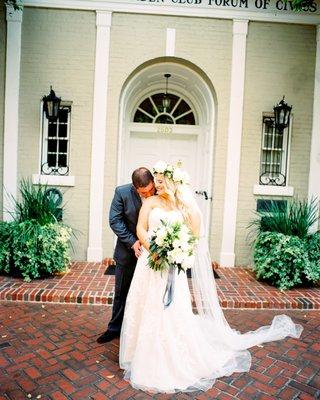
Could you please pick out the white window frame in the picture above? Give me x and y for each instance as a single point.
(52, 179)
(273, 190)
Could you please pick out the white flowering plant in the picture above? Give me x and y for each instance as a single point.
(172, 243)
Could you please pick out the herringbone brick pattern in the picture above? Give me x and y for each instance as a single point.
(49, 352)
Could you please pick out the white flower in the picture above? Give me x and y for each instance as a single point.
(185, 246)
(177, 243)
(169, 168)
(177, 175)
(188, 262)
(160, 236)
(176, 256)
(160, 167)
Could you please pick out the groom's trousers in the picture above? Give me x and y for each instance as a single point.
(123, 278)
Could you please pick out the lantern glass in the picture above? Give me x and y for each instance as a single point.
(282, 114)
(51, 105)
(166, 102)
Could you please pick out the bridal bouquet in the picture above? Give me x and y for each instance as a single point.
(172, 245)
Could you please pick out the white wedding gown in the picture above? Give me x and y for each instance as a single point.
(173, 349)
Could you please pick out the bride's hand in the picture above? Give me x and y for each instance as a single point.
(137, 248)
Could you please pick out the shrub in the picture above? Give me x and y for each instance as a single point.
(39, 250)
(5, 246)
(312, 244)
(281, 260)
(34, 244)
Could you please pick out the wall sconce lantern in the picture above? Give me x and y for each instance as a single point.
(166, 100)
(281, 115)
(51, 105)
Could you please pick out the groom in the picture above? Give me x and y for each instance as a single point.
(123, 218)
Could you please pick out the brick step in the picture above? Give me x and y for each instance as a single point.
(88, 283)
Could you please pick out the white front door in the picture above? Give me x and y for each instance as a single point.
(149, 143)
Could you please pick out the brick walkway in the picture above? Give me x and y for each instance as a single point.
(87, 284)
(49, 350)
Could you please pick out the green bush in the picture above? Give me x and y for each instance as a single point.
(34, 244)
(41, 250)
(280, 259)
(312, 244)
(286, 261)
(5, 246)
(36, 250)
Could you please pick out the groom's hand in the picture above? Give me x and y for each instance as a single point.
(137, 248)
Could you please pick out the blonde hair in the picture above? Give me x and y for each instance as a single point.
(175, 197)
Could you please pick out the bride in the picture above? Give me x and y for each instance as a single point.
(173, 348)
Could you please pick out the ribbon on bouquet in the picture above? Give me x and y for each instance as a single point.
(168, 294)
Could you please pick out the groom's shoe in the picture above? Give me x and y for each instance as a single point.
(107, 337)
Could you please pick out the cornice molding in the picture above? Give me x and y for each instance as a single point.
(125, 6)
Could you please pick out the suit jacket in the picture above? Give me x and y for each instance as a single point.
(123, 218)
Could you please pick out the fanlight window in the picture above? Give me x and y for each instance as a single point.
(152, 111)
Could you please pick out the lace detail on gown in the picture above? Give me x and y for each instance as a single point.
(173, 349)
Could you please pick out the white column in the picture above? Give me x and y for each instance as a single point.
(11, 109)
(314, 171)
(96, 218)
(240, 29)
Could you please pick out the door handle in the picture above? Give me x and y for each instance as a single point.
(203, 193)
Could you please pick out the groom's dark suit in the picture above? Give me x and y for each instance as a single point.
(123, 218)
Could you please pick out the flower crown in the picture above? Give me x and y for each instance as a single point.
(176, 174)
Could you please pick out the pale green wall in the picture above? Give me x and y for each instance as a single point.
(280, 61)
(136, 39)
(2, 85)
(58, 48)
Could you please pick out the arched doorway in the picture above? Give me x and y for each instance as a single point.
(182, 132)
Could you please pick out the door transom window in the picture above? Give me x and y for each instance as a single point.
(151, 111)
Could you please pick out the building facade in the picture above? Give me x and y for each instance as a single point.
(229, 61)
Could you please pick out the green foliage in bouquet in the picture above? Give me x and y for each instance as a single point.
(34, 244)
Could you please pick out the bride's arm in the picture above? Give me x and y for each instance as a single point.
(142, 225)
(195, 222)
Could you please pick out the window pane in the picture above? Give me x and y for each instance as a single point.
(164, 119)
(62, 130)
(155, 112)
(278, 140)
(267, 141)
(52, 160)
(52, 145)
(63, 115)
(62, 160)
(63, 146)
(148, 107)
(141, 117)
(157, 98)
(268, 125)
(52, 129)
(186, 120)
(181, 109)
